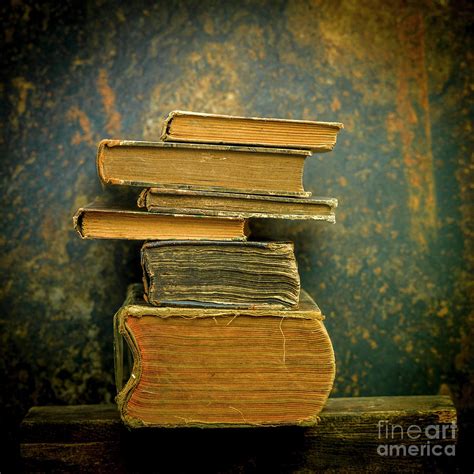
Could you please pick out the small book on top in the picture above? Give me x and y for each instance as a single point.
(192, 127)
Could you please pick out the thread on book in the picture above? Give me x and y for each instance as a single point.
(284, 341)
(194, 421)
(232, 320)
(186, 420)
(238, 411)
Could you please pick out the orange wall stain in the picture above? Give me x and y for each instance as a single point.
(75, 113)
(412, 109)
(114, 118)
(23, 87)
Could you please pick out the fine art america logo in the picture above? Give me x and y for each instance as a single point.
(416, 440)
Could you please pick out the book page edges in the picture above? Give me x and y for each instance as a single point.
(121, 330)
(108, 180)
(144, 201)
(98, 206)
(166, 134)
(192, 192)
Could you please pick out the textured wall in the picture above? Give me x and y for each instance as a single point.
(392, 275)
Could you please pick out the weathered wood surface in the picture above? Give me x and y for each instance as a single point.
(92, 438)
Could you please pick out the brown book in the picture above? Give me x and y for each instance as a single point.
(183, 201)
(204, 167)
(238, 274)
(194, 127)
(103, 219)
(202, 367)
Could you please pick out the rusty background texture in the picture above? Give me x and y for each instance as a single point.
(392, 276)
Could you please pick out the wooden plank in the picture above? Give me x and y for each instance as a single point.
(99, 456)
(349, 436)
(72, 423)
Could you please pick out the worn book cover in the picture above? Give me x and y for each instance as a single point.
(183, 201)
(239, 274)
(204, 367)
(181, 126)
(237, 169)
(108, 219)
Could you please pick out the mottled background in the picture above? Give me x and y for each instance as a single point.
(392, 275)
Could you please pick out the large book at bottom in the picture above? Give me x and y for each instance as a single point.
(198, 367)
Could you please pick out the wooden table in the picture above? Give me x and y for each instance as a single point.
(354, 435)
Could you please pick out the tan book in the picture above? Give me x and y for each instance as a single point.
(181, 126)
(235, 274)
(202, 167)
(203, 203)
(103, 219)
(201, 367)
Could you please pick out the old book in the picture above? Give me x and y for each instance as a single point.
(103, 219)
(185, 201)
(194, 127)
(203, 367)
(239, 274)
(205, 167)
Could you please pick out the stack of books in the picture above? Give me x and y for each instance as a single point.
(220, 331)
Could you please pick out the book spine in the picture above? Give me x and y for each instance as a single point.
(146, 278)
(122, 334)
(100, 160)
(142, 200)
(77, 222)
(118, 355)
(166, 126)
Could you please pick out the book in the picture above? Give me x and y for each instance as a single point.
(105, 219)
(181, 126)
(239, 274)
(204, 203)
(204, 167)
(205, 367)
